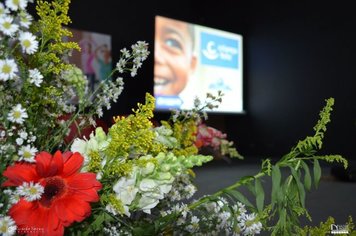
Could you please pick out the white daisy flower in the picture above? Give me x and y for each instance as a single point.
(7, 27)
(27, 153)
(17, 114)
(8, 69)
(7, 226)
(249, 224)
(16, 4)
(28, 42)
(30, 191)
(36, 77)
(25, 19)
(3, 10)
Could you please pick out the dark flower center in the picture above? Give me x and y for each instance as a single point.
(55, 187)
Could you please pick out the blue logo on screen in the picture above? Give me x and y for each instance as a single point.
(219, 51)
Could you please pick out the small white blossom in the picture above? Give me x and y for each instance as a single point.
(19, 141)
(7, 26)
(120, 65)
(27, 153)
(8, 69)
(109, 208)
(133, 72)
(17, 114)
(2, 133)
(125, 53)
(32, 139)
(36, 77)
(23, 134)
(30, 191)
(29, 45)
(7, 226)
(14, 199)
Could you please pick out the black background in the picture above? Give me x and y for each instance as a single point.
(296, 55)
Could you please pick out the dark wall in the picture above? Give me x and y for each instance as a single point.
(297, 54)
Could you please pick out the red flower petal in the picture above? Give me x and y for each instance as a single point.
(53, 223)
(21, 211)
(83, 181)
(71, 209)
(89, 195)
(65, 216)
(66, 155)
(79, 207)
(19, 173)
(46, 165)
(72, 165)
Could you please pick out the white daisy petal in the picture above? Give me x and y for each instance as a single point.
(27, 153)
(8, 69)
(3, 10)
(7, 226)
(16, 4)
(17, 114)
(28, 42)
(30, 191)
(7, 26)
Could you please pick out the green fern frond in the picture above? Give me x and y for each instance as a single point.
(333, 158)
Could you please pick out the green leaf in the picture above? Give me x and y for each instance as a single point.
(276, 184)
(251, 187)
(307, 176)
(317, 172)
(96, 225)
(260, 195)
(300, 186)
(237, 195)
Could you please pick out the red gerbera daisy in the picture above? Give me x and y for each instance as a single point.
(66, 197)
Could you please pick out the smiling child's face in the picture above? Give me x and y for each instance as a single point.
(174, 59)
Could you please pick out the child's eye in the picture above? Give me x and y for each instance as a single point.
(174, 43)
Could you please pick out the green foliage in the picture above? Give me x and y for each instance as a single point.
(324, 228)
(288, 193)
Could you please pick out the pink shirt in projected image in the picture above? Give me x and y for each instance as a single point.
(88, 60)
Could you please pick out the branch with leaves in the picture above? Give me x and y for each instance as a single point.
(288, 192)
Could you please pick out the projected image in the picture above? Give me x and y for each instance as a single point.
(191, 60)
(95, 56)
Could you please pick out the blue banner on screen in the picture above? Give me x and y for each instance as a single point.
(168, 102)
(218, 51)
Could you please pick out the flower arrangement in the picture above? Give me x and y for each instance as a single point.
(135, 179)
